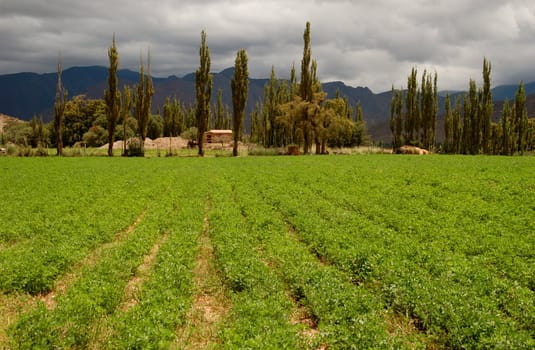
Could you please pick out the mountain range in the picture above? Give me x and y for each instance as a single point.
(24, 95)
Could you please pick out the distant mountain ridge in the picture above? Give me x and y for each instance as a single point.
(27, 94)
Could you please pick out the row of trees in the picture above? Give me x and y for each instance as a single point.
(114, 106)
(291, 113)
(298, 113)
(416, 124)
(469, 127)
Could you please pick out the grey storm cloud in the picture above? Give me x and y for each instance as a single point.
(364, 43)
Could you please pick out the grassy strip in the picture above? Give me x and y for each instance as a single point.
(94, 296)
(397, 256)
(165, 298)
(56, 216)
(347, 316)
(260, 312)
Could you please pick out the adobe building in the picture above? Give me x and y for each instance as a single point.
(217, 136)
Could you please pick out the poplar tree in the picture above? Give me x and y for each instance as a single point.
(268, 111)
(428, 110)
(219, 122)
(305, 87)
(240, 86)
(173, 118)
(396, 119)
(486, 109)
(112, 96)
(144, 93)
(126, 107)
(41, 133)
(256, 125)
(448, 126)
(360, 135)
(411, 122)
(203, 89)
(520, 116)
(147, 101)
(59, 109)
(457, 128)
(471, 121)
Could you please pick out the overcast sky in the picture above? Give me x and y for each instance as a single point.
(372, 43)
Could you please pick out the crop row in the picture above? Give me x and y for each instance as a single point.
(346, 315)
(95, 310)
(313, 252)
(55, 216)
(260, 313)
(412, 256)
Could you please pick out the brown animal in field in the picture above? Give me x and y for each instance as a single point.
(411, 150)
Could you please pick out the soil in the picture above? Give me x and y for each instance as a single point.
(163, 143)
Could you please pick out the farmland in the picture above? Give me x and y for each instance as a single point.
(336, 252)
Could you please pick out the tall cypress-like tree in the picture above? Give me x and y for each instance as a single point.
(126, 106)
(520, 116)
(486, 109)
(59, 109)
(268, 111)
(396, 118)
(457, 128)
(203, 91)
(412, 122)
(360, 135)
(306, 87)
(112, 96)
(417, 126)
(219, 122)
(448, 126)
(240, 87)
(428, 110)
(147, 101)
(471, 121)
(140, 98)
(507, 124)
(144, 93)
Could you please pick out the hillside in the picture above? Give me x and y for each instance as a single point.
(27, 94)
(4, 119)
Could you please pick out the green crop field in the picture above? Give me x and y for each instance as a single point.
(332, 252)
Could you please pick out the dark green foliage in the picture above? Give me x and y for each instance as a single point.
(360, 136)
(80, 115)
(520, 117)
(486, 110)
(306, 92)
(448, 126)
(417, 124)
(112, 96)
(203, 92)
(59, 109)
(96, 136)
(143, 100)
(126, 111)
(155, 126)
(396, 118)
(173, 118)
(240, 87)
